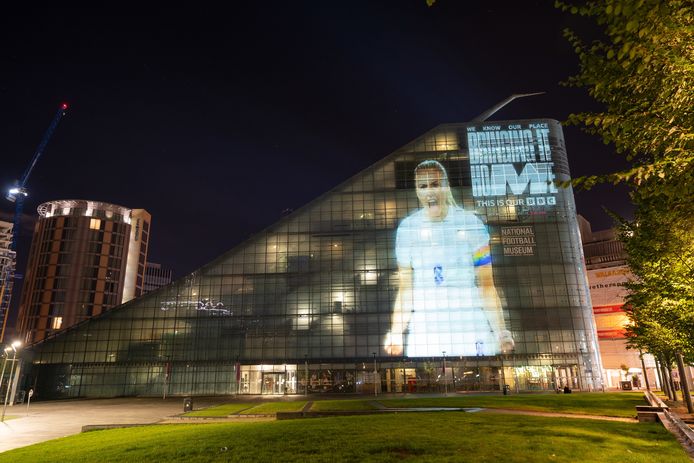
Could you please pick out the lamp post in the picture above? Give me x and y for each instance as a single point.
(445, 383)
(4, 364)
(14, 347)
(306, 374)
(285, 379)
(375, 375)
(502, 375)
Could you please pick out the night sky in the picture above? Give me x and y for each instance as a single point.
(215, 121)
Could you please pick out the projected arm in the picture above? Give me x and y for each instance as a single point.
(402, 312)
(492, 304)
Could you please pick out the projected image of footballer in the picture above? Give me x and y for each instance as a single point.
(446, 299)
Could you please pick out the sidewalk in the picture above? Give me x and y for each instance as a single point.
(51, 420)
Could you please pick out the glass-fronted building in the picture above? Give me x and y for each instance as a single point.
(455, 263)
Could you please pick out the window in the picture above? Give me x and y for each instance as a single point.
(57, 323)
(95, 224)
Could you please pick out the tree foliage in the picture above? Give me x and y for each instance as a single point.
(660, 301)
(642, 71)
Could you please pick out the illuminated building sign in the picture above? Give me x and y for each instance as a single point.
(511, 159)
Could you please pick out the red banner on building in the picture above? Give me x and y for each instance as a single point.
(600, 309)
(612, 334)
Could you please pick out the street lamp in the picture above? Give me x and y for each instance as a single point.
(375, 375)
(445, 384)
(4, 364)
(502, 375)
(285, 379)
(14, 347)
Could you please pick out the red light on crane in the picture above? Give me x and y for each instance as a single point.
(63, 106)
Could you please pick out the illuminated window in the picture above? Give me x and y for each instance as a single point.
(57, 323)
(95, 224)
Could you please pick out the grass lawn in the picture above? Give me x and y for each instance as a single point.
(268, 408)
(450, 436)
(342, 405)
(620, 404)
(221, 410)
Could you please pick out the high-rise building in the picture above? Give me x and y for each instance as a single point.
(86, 257)
(7, 267)
(156, 276)
(607, 273)
(454, 263)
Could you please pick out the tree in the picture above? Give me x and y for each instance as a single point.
(660, 303)
(642, 71)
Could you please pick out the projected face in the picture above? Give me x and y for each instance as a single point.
(432, 191)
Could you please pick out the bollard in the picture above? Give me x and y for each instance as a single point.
(187, 404)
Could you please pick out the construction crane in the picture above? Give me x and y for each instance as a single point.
(16, 194)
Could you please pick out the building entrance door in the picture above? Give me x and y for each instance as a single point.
(566, 375)
(273, 383)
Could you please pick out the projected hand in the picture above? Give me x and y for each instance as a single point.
(393, 344)
(506, 342)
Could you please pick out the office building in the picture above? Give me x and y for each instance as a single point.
(156, 276)
(607, 273)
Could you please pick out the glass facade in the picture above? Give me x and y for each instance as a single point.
(466, 275)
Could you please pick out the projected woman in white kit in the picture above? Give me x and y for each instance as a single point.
(446, 300)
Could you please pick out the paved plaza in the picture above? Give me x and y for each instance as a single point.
(51, 420)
